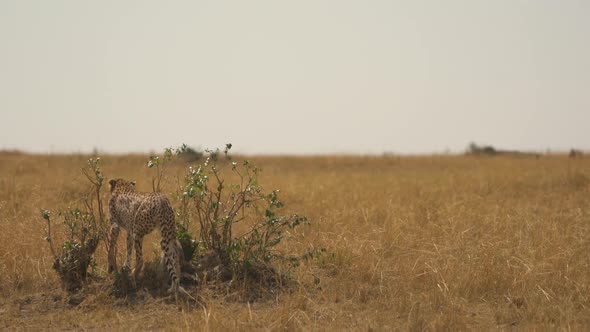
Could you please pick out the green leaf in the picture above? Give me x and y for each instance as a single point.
(46, 214)
(268, 213)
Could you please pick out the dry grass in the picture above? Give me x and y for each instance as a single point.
(412, 243)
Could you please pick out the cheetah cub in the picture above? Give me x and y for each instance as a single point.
(139, 214)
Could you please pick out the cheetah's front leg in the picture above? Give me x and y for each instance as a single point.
(112, 254)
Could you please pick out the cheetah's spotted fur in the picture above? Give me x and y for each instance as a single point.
(139, 214)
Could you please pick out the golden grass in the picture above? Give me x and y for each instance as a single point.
(413, 243)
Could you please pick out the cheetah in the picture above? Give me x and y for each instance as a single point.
(139, 214)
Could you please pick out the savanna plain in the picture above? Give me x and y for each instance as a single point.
(411, 243)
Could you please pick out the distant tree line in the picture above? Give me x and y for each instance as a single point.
(488, 150)
(575, 153)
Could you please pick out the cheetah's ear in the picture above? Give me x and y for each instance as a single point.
(112, 183)
(133, 183)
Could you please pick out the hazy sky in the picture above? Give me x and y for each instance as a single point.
(294, 76)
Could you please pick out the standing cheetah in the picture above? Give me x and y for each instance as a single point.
(139, 214)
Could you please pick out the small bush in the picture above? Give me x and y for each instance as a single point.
(191, 155)
(474, 149)
(72, 261)
(188, 244)
(220, 205)
(84, 229)
(576, 153)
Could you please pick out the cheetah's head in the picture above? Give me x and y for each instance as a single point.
(122, 186)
